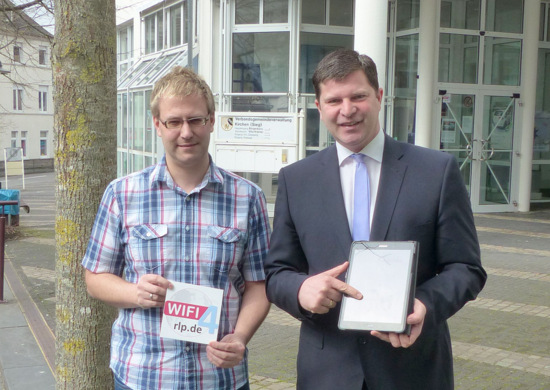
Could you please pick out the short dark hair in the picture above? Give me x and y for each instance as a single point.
(339, 64)
(181, 82)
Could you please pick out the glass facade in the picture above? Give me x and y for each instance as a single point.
(164, 32)
(540, 184)
(270, 48)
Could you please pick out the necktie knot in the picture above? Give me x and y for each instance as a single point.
(359, 158)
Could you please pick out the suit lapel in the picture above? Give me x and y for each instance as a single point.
(332, 198)
(391, 178)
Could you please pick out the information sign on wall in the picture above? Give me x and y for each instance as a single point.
(256, 142)
(257, 128)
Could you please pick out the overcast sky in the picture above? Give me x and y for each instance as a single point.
(40, 14)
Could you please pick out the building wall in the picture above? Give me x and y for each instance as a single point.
(29, 124)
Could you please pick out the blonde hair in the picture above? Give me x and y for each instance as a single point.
(181, 82)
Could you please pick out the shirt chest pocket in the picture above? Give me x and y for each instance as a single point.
(150, 248)
(226, 247)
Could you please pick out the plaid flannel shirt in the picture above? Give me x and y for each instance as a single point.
(215, 236)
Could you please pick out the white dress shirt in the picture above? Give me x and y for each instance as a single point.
(374, 151)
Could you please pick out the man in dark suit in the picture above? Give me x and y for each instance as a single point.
(415, 194)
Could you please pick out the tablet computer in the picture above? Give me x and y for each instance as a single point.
(385, 273)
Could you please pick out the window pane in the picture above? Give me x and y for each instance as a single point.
(541, 21)
(276, 11)
(502, 61)
(123, 44)
(247, 12)
(260, 103)
(175, 25)
(407, 15)
(137, 131)
(149, 134)
(149, 34)
(341, 13)
(43, 147)
(185, 22)
(312, 127)
(464, 14)
(458, 58)
(16, 54)
(505, 16)
(42, 56)
(260, 62)
(313, 47)
(124, 120)
(137, 162)
(314, 12)
(160, 31)
(406, 69)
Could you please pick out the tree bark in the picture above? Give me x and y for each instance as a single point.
(84, 68)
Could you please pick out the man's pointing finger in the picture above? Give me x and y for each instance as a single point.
(347, 290)
(336, 271)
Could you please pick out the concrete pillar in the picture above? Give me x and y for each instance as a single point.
(205, 45)
(427, 74)
(371, 26)
(528, 98)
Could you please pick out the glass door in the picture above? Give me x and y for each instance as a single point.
(456, 131)
(478, 129)
(496, 154)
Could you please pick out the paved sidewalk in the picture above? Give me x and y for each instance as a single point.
(500, 341)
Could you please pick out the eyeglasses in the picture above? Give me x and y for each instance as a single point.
(173, 124)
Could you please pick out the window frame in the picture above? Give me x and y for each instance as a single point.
(43, 98)
(18, 96)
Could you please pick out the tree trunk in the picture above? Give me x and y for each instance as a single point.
(84, 67)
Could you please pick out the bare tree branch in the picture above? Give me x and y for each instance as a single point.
(7, 7)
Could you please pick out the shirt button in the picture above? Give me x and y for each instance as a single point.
(148, 234)
(187, 228)
(187, 199)
(187, 349)
(186, 259)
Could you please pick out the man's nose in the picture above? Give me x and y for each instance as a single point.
(185, 131)
(348, 108)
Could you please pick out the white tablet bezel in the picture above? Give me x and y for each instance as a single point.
(386, 272)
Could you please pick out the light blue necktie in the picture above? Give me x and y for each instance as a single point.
(361, 200)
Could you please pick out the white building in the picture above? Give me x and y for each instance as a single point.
(470, 77)
(26, 104)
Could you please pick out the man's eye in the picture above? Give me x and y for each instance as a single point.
(174, 123)
(195, 121)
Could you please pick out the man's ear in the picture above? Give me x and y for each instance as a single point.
(212, 121)
(156, 123)
(318, 104)
(380, 95)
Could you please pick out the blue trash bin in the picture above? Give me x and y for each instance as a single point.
(6, 195)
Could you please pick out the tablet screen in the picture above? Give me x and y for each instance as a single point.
(382, 272)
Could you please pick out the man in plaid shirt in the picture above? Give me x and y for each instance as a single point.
(184, 220)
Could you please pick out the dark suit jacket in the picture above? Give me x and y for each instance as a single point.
(421, 197)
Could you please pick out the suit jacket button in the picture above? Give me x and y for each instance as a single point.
(362, 340)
